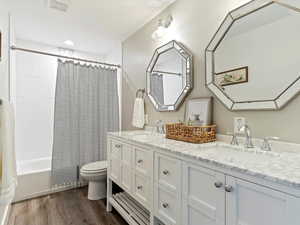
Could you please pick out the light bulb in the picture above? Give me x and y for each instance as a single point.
(69, 43)
(159, 33)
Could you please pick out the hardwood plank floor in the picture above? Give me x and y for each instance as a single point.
(64, 208)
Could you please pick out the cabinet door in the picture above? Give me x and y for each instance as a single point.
(126, 172)
(126, 178)
(115, 170)
(114, 157)
(252, 204)
(203, 196)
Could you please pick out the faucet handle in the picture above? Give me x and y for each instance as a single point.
(234, 140)
(266, 144)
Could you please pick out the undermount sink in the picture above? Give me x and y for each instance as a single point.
(239, 153)
(243, 149)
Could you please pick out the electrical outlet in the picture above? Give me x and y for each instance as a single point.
(238, 123)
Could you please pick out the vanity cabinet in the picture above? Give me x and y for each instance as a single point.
(180, 191)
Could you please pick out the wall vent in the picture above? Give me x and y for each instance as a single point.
(61, 5)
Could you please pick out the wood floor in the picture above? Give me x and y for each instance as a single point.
(64, 208)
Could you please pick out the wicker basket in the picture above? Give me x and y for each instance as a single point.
(192, 134)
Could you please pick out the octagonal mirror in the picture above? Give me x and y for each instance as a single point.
(169, 76)
(253, 60)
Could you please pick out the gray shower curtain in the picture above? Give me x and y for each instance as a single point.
(157, 87)
(86, 108)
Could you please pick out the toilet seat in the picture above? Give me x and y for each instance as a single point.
(95, 167)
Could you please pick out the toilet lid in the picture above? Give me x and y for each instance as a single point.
(95, 166)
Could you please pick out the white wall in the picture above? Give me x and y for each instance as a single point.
(115, 56)
(35, 92)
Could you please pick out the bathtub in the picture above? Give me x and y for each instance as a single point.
(34, 179)
(33, 166)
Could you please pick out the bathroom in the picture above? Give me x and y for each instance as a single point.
(255, 143)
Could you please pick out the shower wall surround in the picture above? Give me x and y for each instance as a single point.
(194, 24)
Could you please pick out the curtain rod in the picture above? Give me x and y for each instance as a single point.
(62, 56)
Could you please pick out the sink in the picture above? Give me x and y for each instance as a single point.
(233, 154)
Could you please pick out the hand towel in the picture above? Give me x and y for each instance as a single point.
(8, 181)
(138, 118)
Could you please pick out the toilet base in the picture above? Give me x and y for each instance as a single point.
(97, 190)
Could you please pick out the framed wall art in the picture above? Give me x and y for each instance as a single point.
(199, 109)
(232, 77)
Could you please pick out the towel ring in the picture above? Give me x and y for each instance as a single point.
(140, 91)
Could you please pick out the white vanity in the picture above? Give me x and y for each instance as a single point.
(212, 184)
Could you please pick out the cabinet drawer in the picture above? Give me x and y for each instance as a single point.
(116, 149)
(142, 189)
(166, 206)
(168, 172)
(143, 161)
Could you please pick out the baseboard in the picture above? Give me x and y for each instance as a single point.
(38, 184)
(47, 192)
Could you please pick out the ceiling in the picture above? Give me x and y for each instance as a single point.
(95, 26)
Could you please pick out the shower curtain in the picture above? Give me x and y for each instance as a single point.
(157, 87)
(86, 108)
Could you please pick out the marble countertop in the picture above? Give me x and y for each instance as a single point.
(283, 167)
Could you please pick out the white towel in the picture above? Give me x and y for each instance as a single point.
(138, 118)
(8, 181)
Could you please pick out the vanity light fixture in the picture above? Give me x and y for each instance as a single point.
(159, 3)
(163, 25)
(60, 5)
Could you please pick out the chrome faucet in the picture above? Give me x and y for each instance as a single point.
(160, 127)
(247, 132)
(266, 146)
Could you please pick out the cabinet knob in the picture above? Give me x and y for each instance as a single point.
(140, 161)
(118, 146)
(165, 205)
(228, 188)
(218, 184)
(140, 187)
(166, 172)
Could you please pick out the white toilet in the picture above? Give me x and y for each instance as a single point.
(95, 174)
